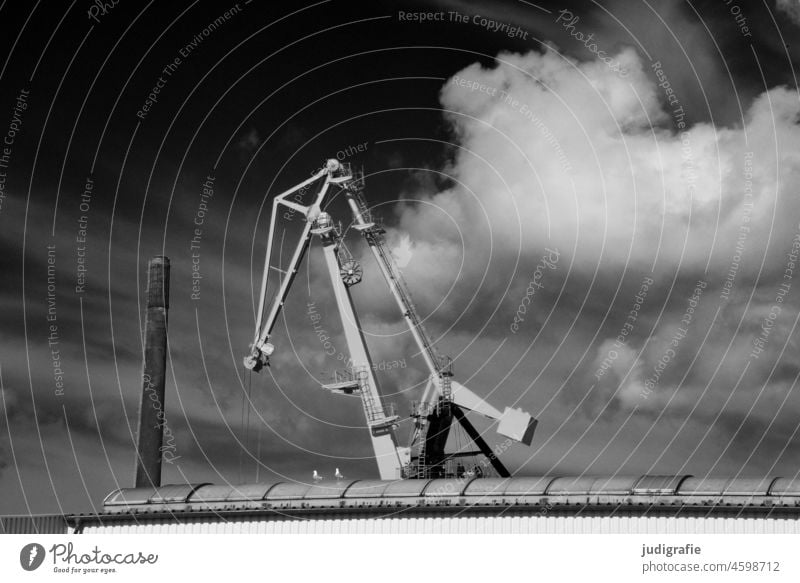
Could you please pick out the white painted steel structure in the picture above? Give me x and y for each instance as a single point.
(393, 460)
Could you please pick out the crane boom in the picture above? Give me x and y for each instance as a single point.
(261, 348)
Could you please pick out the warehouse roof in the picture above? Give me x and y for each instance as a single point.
(681, 490)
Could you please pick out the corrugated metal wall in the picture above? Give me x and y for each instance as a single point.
(336, 524)
(44, 524)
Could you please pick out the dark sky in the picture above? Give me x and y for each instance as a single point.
(658, 159)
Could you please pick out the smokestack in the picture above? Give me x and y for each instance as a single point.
(151, 410)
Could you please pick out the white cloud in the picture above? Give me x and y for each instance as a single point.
(403, 251)
(572, 155)
(791, 8)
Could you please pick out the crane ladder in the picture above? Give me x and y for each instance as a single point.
(374, 236)
(378, 416)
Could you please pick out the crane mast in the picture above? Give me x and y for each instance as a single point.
(443, 399)
(361, 380)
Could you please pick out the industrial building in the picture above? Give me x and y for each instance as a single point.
(596, 505)
(646, 504)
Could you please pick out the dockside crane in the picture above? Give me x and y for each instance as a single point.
(443, 399)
